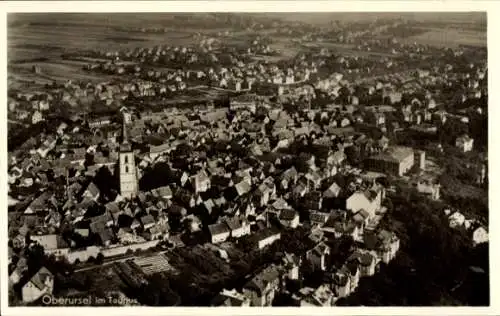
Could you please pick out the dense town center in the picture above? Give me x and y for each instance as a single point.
(262, 162)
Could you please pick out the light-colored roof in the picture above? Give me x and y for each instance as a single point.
(40, 278)
(395, 154)
(219, 228)
(52, 241)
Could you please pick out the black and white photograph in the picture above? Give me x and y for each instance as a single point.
(247, 159)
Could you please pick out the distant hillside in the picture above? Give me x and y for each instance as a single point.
(176, 19)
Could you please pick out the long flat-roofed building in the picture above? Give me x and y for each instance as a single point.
(395, 160)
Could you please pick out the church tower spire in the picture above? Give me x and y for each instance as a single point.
(128, 172)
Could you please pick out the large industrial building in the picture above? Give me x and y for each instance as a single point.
(394, 160)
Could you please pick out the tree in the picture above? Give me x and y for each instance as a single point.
(99, 258)
(35, 258)
(433, 269)
(353, 154)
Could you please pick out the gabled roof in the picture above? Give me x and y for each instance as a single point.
(289, 174)
(93, 189)
(363, 213)
(394, 154)
(242, 187)
(105, 234)
(219, 228)
(288, 215)
(332, 191)
(51, 241)
(320, 249)
(261, 280)
(234, 223)
(164, 191)
(147, 220)
(364, 258)
(41, 277)
(318, 217)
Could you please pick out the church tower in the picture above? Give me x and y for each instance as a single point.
(128, 172)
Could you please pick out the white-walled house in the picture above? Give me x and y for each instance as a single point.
(41, 283)
(369, 201)
(318, 255)
(464, 143)
(238, 227)
(289, 218)
(219, 232)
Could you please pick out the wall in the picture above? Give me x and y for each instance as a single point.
(115, 251)
(83, 255)
(220, 237)
(269, 240)
(94, 251)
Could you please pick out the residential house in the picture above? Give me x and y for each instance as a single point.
(289, 218)
(318, 256)
(262, 288)
(39, 205)
(100, 226)
(19, 271)
(155, 151)
(158, 231)
(231, 298)
(99, 122)
(37, 117)
(352, 269)
(92, 192)
(318, 218)
(367, 262)
(314, 178)
(239, 226)
(288, 178)
(299, 190)
(333, 191)
(147, 222)
(164, 192)
(385, 243)
(368, 200)
(243, 187)
(322, 297)
(361, 220)
(342, 282)
(430, 189)
(52, 244)
(291, 263)
(464, 143)
(264, 192)
(193, 223)
(201, 182)
(265, 237)
(219, 232)
(42, 283)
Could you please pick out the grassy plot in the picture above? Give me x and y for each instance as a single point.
(53, 71)
(41, 40)
(449, 37)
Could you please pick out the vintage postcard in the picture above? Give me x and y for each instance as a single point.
(238, 156)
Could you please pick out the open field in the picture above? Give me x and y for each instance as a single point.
(32, 37)
(42, 45)
(27, 40)
(319, 18)
(449, 37)
(51, 70)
